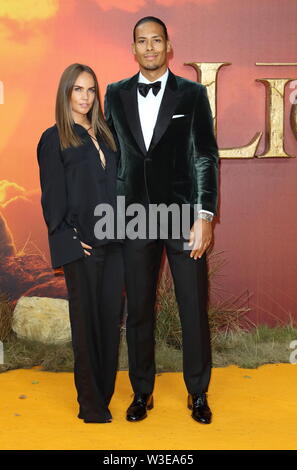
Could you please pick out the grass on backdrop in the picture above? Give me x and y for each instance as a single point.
(235, 339)
(262, 345)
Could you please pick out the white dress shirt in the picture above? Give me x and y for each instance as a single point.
(148, 109)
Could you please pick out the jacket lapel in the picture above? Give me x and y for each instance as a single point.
(169, 102)
(129, 99)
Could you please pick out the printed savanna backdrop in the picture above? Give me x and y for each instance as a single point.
(257, 223)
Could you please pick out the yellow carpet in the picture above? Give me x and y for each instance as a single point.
(252, 409)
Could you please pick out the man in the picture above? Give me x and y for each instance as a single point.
(168, 154)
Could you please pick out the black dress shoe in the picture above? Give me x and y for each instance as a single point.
(138, 407)
(199, 406)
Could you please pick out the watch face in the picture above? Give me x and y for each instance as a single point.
(205, 216)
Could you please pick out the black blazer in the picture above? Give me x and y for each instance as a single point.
(73, 182)
(181, 165)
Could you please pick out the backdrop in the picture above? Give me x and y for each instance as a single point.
(255, 234)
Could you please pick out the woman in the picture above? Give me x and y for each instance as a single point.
(77, 172)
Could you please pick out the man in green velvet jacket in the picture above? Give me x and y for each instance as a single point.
(167, 154)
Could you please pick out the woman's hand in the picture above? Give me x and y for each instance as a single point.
(84, 245)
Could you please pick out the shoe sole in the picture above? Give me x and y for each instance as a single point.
(133, 420)
(201, 422)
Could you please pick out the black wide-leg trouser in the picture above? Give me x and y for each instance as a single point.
(142, 259)
(95, 287)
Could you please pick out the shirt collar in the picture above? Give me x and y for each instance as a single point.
(162, 79)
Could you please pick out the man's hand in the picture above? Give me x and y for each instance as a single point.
(200, 237)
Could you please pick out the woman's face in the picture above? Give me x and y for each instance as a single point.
(83, 95)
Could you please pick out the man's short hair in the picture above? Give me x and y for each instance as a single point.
(153, 19)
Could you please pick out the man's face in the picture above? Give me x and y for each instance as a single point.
(150, 47)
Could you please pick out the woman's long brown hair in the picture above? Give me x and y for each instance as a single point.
(64, 119)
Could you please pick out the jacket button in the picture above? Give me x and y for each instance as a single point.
(74, 238)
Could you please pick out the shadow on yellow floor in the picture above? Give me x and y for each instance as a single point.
(252, 409)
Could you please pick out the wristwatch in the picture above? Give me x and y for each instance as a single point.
(205, 216)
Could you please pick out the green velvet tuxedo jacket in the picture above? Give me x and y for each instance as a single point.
(181, 164)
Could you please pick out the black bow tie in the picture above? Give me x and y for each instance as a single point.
(144, 88)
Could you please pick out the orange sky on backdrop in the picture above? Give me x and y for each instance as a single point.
(39, 39)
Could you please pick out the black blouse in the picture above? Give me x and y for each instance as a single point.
(73, 182)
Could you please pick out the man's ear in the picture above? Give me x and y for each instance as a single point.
(133, 48)
(169, 46)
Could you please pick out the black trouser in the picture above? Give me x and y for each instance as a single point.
(95, 285)
(142, 260)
